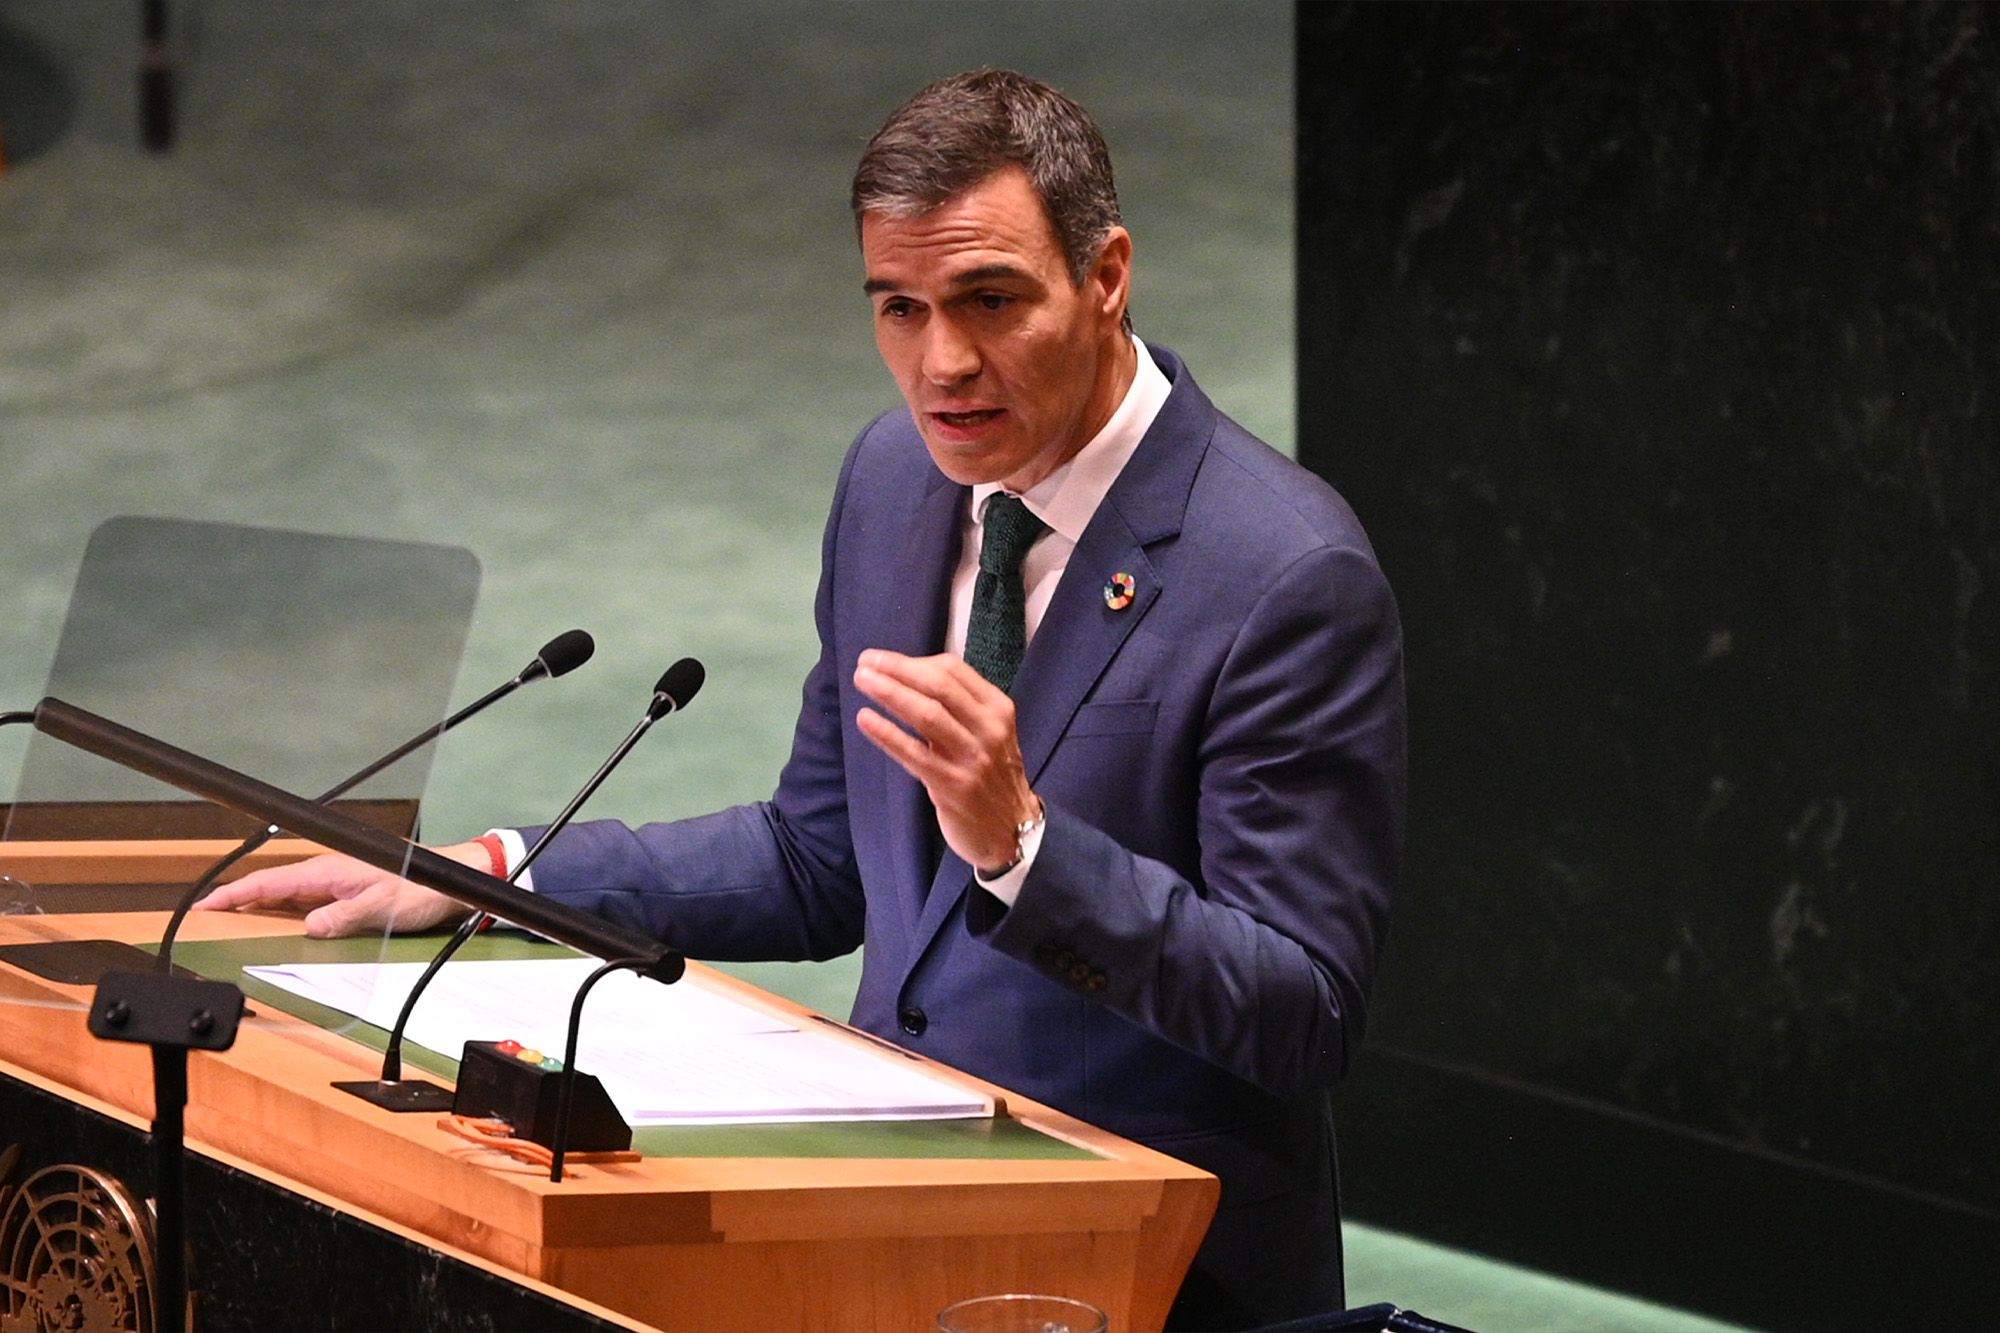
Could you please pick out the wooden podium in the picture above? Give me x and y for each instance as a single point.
(761, 1240)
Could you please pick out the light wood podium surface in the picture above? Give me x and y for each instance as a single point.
(751, 1241)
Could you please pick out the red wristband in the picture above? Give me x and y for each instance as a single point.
(496, 852)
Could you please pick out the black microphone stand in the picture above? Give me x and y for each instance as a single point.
(172, 1015)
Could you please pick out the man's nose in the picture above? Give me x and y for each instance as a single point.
(950, 357)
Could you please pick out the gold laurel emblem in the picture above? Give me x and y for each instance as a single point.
(76, 1254)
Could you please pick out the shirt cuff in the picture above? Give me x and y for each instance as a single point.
(517, 850)
(1006, 886)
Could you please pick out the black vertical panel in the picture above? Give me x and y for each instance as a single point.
(1658, 346)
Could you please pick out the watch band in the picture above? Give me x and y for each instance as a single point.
(1022, 831)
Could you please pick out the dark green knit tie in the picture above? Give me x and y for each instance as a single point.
(997, 635)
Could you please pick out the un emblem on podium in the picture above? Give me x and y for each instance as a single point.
(76, 1254)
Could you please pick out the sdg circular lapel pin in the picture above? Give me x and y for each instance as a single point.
(1119, 590)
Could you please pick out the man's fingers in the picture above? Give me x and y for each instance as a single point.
(945, 702)
(366, 913)
(223, 897)
(951, 776)
(392, 906)
(335, 919)
(914, 756)
(965, 752)
(309, 883)
(279, 884)
(346, 896)
(923, 714)
(943, 676)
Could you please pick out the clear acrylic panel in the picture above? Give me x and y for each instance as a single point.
(294, 658)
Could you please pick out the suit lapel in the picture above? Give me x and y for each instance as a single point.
(1081, 632)
(915, 626)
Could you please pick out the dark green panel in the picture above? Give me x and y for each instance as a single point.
(1656, 346)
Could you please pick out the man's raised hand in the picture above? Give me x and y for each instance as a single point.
(958, 739)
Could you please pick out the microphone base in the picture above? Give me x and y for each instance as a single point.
(400, 1095)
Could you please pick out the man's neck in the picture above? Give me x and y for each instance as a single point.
(1121, 361)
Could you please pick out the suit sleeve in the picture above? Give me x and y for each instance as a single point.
(771, 880)
(1263, 965)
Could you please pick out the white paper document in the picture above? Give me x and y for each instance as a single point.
(679, 1054)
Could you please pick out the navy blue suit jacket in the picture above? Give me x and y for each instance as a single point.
(1222, 763)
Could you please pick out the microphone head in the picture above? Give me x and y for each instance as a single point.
(680, 684)
(561, 655)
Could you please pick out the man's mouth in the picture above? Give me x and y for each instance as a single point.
(964, 420)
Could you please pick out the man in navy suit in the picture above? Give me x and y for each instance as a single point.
(1116, 812)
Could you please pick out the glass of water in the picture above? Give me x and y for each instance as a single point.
(1018, 1312)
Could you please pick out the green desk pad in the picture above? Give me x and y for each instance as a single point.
(998, 1139)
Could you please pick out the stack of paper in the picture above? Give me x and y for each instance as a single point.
(679, 1054)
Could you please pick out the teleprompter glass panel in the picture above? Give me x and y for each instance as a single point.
(296, 658)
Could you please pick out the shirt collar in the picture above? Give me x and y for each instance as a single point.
(1067, 497)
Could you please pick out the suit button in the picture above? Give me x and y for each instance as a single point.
(913, 1021)
(1095, 982)
(1064, 960)
(1079, 973)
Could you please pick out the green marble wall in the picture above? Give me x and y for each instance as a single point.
(572, 286)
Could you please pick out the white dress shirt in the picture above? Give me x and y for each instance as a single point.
(1065, 500)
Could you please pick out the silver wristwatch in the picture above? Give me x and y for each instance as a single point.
(1021, 832)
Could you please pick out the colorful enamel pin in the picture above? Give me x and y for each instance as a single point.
(1119, 591)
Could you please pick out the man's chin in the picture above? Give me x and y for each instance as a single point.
(969, 465)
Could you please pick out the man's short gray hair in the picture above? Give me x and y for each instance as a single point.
(962, 129)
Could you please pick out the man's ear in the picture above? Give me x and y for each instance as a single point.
(1110, 277)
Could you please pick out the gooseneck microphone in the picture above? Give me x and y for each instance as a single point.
(673, 692)
(558, 657)
(677, 688)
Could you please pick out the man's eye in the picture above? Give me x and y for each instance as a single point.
(897, 309)
(992, 301)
